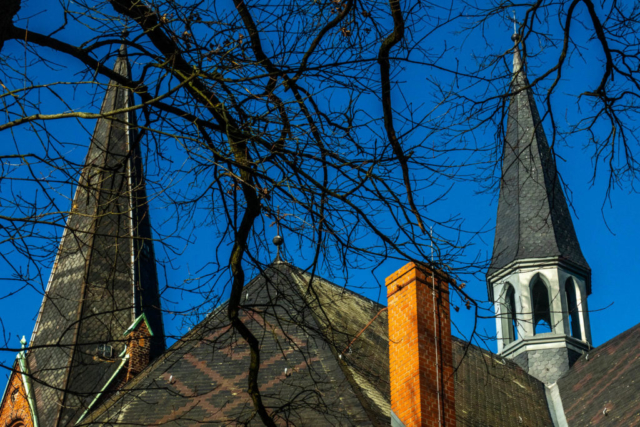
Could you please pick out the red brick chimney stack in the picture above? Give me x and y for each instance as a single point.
(420, 349)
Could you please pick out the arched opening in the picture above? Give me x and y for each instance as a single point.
(510, 325)
(572, 305)
(541, 307)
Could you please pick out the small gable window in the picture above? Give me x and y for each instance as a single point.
(571, 291)
(542, 321)
(105, 351)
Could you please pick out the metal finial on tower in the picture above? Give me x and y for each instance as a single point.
(278, 240)
(515, 37)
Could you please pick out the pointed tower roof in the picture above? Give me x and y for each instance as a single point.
(533, 220)
(104, 275)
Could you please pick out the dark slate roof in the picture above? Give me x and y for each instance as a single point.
(492, 391)
(333, 344)
(608, 378)
(533, 219)
(95, 291)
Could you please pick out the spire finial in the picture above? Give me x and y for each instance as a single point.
(515, 36)
(23, 342)
(278, 240)
(517, 61)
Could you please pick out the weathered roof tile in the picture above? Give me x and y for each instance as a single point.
(603, 386)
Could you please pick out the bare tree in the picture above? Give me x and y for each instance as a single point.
(288, 112)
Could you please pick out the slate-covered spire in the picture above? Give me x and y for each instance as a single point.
(104, 275)
(533, 219)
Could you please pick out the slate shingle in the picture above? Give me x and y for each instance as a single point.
(608, 378)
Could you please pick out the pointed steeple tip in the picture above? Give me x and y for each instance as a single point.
(122, 51)
(122, 65)
(533, 221)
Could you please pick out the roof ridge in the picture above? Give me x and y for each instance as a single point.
(342, 363)
(186, 339)
(342, 288)
(548, 166)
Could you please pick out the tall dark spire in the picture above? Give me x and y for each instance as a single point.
(105, 274)
(533, 219)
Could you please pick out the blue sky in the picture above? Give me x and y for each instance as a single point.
(606, 229)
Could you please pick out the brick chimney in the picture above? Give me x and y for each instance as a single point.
(138, 347)
(420, 349)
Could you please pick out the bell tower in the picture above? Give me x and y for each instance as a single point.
(538, 279)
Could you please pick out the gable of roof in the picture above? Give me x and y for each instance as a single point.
(603, 385)
(204, 376)
(324, 361)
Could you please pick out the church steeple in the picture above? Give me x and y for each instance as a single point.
(533, 218)
(104, 276)
(538, 275)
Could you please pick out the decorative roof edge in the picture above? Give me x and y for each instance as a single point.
(554, 402)
(135, 324)
(544, 341)
(107, 384)
(26, 381)
(395, 421)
